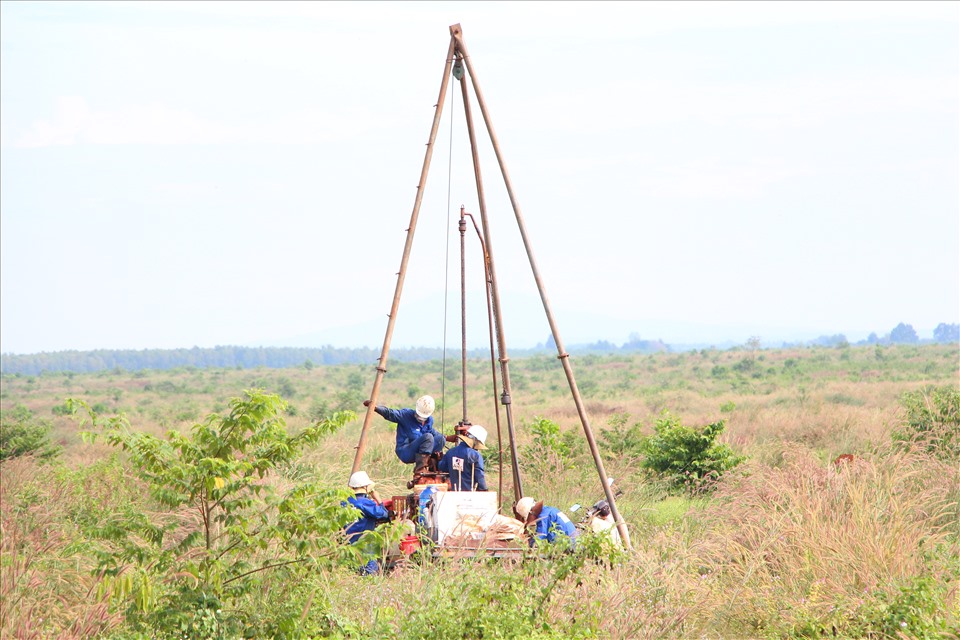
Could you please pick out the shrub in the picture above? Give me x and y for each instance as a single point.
(718, 371)
(21, 433)
(932, 418)
(621, 441)
(746, 365)
(916, 610)
(319, 410)
(61, 409)
(222, 521)
(550, 443)
(687, 456)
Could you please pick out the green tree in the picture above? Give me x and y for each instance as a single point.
(947, 332)
(904, 334)
(687, 456)
(221, 522)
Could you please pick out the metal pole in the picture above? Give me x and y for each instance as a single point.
(463, 313)
(401, 275)
(564, 357)
(493, 363)
(505, 398)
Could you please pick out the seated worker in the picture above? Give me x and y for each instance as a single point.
(372, 513)
(601, 521)
(417, 440)
(464, 462)
(551, 524)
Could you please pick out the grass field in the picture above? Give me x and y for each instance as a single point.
(786, 545)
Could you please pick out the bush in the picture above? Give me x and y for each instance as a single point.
(686, 456)
(932, 418)
(621, 441)
(21, 433)
(916, 610)
(183, 574)
(550, 443)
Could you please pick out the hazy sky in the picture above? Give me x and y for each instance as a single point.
(181, 173)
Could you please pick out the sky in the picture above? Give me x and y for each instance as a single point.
(179, 174)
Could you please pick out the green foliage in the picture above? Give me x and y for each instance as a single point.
(478, 607)
(904, 334)
(932, 417)
(348, 398)
(288, 607)
(22, 433)
(746, 365)
(472, 600)
(621, 441)
(61, 409)
(916, 610)
(845, 399)
(687, 456)
(319, 410)
(550, 444)
(287, 389)
(224, 521)
(946, 333)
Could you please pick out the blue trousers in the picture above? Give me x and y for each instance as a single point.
(426, 444)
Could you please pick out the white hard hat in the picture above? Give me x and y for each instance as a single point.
(479, 435)
(359, 480)
(425, 406)
(524, 505)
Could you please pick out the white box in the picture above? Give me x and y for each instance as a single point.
(462, 512)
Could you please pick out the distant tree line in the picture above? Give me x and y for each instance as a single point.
(223, 357)
(633, 345)
(232, 357)
(901, 334)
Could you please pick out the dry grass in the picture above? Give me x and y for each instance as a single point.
(791, 539)
(47, 590)
(826, 536)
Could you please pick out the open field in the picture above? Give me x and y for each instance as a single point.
(786, 545)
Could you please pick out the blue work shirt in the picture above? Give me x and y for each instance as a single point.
(553, 523)
(408, 427)
(465, 466)
(371, 514)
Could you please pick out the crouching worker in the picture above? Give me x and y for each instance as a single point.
(602, 522)
(417, 440)
(372, 513)
(464, 462)
(549, 523)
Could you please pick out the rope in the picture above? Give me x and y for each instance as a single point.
(446, 276)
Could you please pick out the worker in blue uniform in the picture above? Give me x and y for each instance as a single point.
(549, 523)
(372, 513)
(464, 464)
(417, 439)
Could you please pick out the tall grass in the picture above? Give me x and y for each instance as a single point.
(47, 589)
(806, 541)
(792, 546)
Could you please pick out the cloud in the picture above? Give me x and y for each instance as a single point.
(75, 122)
